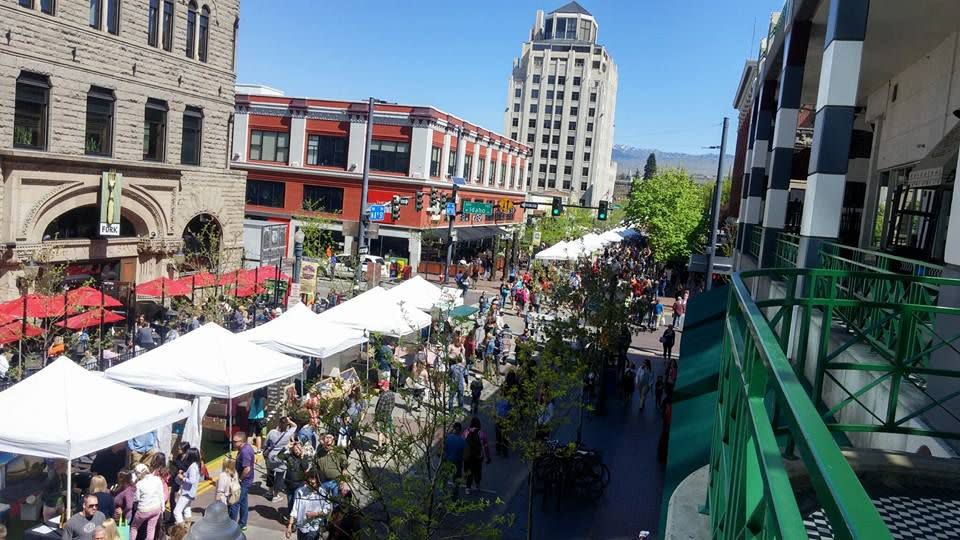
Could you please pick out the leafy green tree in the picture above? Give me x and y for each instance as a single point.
(671, 208)
(650, 168)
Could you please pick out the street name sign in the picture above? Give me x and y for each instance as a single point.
(475, 207)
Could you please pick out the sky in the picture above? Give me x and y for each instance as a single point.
(679, 61)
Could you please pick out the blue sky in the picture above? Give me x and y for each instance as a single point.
(679, 60)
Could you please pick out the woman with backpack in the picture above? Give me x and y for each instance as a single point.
(228, 484)
(476, 451)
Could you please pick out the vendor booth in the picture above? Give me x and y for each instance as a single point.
(210, 362)
(58, 414)
(423, 295)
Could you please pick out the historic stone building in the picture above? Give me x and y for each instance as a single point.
(139, 94)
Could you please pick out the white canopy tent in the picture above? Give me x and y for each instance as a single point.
(377, 311)
(209, 362)
(611, 237)
(592, 242)
(556, 252)
(58, 414)
(299, 331)
(423, 295)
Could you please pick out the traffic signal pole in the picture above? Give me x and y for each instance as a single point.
(715, 210)
(362, 227)
(450, 220)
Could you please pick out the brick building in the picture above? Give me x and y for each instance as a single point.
(303, 155)
(142, 89)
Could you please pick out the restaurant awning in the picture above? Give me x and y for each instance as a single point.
(469, 233)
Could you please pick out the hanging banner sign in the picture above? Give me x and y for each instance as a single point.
(111, 184)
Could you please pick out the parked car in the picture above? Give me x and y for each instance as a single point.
(345, 266)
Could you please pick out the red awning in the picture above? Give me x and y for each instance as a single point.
(238, 278)
(90, 318)
(199, 280)
(267, 272)
(247, 290)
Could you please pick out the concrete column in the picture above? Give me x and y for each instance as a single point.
(523, 176)
(475, 173)
(509, 179)
(487, 168)
(753, 206)
(870, 205)
(445, 156)
(241, 132)
(414, 248)
(497, 177)
(833, 127)
(784, 135)
(358, 139)
(461, 153)
(298, 138)
(421, 143)
(348, 244)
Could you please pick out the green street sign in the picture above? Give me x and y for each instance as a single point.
(473, 207)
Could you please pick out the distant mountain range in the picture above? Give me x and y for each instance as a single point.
(701, 166)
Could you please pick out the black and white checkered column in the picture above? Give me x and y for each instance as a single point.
(833, 128)
(784, 135)
(748, 159)
(753, 205)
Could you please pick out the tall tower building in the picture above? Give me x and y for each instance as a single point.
(561, 101)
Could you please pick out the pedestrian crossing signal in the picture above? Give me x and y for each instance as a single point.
(602, 211)
(557, 208)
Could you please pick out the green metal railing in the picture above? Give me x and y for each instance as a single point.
(767, 408)
(788, 247)
(756, 236)
(840, 257)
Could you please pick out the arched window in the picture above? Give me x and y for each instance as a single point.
(191, 28)
(204, 32)
(82, 223)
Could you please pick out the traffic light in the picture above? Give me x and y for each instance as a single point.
(395, 207)
(557, 208)
(602, 210)
(418, 202)
(434, 200)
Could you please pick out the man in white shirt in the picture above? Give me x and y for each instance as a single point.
(310, 507)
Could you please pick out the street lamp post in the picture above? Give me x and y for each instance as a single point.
(298, 238)
(715, 209)
(364, 217)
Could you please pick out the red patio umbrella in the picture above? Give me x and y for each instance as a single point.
(11, 332)
(90, 318)
(267, 272)
(37, 306)
(238, 277)
(164, 287)
(248, 290)
(89, 297)
(200, 279)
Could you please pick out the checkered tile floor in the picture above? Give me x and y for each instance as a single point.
(907, 518)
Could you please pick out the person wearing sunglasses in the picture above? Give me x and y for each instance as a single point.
(82, 525)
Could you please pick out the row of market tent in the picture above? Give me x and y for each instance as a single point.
(210, 362)
(586, 245)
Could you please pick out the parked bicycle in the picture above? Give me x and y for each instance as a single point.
(571, 470)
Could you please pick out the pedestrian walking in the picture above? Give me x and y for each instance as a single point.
(84, 522)
(228, 484)
(671, 381)
(658, 391)
(458, 372)
(310, 506)
(296, 463)
(627, 382)
(668, 339)
(679, 310)
(245, 462)
(476, 388)
(189, 480)
(453, 447)
(256, 417)
(150, 498)
(383, 414)
(502, 408)
(644, 381)
(277, 440)
(475, 452)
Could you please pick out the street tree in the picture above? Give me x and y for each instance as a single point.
(671, 208)
(650, 168)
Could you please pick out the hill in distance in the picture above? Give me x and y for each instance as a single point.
(701, 166)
